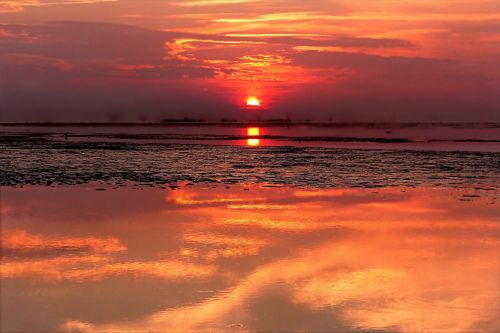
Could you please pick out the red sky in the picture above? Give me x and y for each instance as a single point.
(363, 60)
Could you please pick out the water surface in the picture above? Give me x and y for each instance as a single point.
(250, 258)
(250, 228)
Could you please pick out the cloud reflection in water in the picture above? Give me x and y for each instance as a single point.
(327, 260)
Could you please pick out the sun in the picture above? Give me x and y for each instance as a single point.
(253, 101)
(253, 131)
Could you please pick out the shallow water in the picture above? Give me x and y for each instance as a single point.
(220, 232)
(249, 258)
(436, 137)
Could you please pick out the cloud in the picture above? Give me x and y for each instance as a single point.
(9, 6)
(318, 59)
(61, 63)
(358, 42)
(196, 3)
(75, 41)
(95, 45)
(393, 88)
(103, 71)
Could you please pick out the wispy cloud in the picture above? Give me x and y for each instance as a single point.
(198, 3)
(9, 6)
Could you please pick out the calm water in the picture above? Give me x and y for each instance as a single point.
(437, 137)
(134, 232)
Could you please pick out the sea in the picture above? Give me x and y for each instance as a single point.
(250, 227)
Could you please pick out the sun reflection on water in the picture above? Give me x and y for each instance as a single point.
(253, 134)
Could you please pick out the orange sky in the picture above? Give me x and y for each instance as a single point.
(342, 60)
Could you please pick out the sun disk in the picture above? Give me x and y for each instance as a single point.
(253, 101)
(253, 131)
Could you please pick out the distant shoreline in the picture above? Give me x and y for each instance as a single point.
(262, 123)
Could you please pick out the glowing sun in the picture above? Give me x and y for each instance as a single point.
(253, 101)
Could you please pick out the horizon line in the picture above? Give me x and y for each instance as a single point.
(272, 122)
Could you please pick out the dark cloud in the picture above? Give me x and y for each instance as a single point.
(65, 50)
(84, 41)
(318, 59)
(377, 88)
(78, 41)
(81, 71)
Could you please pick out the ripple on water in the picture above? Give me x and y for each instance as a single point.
(43, 162)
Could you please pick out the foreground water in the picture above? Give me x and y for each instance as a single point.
(142, 234)
(249, 258)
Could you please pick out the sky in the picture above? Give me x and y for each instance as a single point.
(334, 60)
